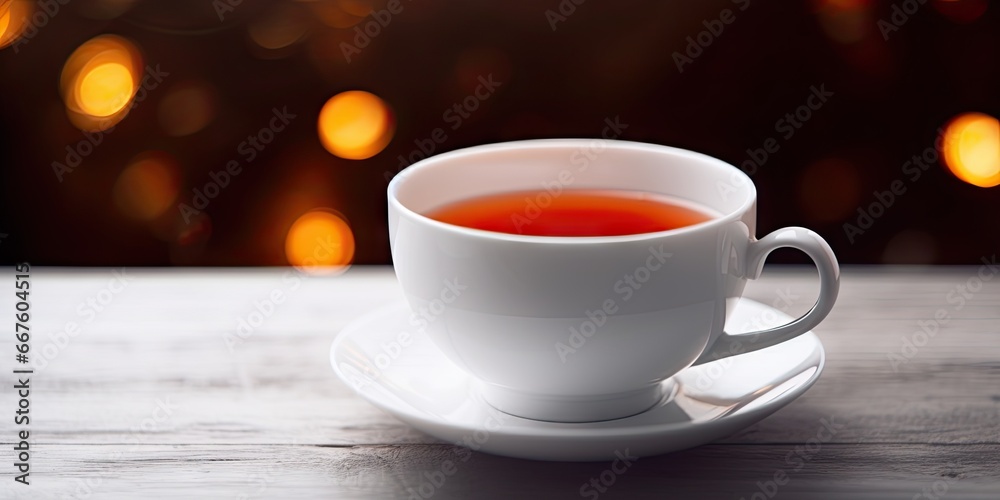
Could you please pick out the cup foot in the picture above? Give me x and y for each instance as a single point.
(573, 409)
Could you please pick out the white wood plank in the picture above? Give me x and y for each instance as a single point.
(271, 404)
(387, 472)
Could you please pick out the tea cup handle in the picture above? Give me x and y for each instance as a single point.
(822, 255)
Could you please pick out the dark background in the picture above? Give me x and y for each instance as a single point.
(605, 60)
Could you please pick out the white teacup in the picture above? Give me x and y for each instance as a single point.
(550, 325)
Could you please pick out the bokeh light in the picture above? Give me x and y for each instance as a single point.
(104, 90)
(341, 13)
(196, 230)
(148, 186)
(99, 81)
(279, 27)
(15, 16)
(972, 149)
(320, 241)
(355, 125)
(845, 21)
(190, 239)
(187, 108)
(961, 11)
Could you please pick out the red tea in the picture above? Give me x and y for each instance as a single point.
(572, 213)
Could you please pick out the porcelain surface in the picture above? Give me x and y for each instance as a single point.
(400, 370)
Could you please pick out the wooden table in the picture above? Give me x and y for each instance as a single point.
(161, 393)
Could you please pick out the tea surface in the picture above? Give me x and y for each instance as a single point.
(572, 213)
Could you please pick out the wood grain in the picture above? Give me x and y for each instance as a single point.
(148, 397)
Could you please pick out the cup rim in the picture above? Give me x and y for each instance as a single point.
(431, 162)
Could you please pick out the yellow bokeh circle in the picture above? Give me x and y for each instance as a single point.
(355, 125)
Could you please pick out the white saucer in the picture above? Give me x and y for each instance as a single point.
(417, 384)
